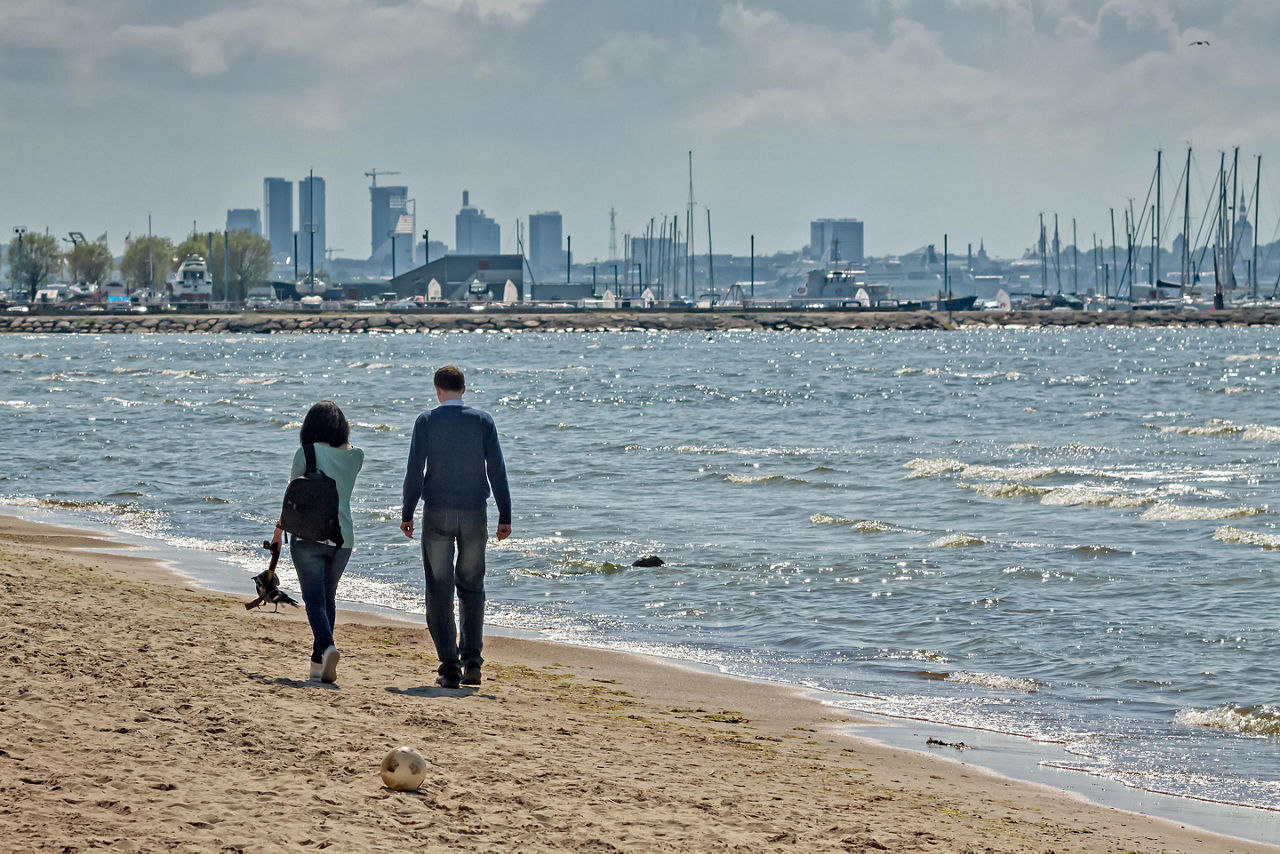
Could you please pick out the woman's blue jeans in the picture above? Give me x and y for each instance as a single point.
(319, 568)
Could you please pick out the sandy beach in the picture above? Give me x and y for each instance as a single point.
(140, 713)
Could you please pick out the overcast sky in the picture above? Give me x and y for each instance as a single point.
(918, 116)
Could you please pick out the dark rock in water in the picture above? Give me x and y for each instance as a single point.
(649, 560)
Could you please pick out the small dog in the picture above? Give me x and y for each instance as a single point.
(268, 585)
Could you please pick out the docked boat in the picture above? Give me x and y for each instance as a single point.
(839, 287)
(191, 282)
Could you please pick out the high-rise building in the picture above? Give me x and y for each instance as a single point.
(476, 233)
(389, 214)
(546, 242)
(244, 219)
(829, 237)
(311, 236)
(277, 216)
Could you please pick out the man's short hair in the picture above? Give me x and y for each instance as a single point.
(450, 378)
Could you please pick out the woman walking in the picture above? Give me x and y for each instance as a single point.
(320, 564)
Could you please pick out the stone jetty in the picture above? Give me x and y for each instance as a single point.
(714, 320)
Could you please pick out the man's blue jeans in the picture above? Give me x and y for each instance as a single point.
(443, 529)
(319, 568)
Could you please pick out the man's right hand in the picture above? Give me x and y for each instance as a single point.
(407, 528)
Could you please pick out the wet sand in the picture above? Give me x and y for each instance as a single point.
(138, 712)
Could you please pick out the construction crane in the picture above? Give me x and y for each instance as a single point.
(373, 174)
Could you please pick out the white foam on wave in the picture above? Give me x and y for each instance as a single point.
(955, 541)
(1216, 427)
(1262, 721)
(377, 428)
(257, 381)
(824, 519)
(932, 467)
(22, 404)
(1060, 496)
(994, 681)
(764, 478)
(1222, 427)
(871, 526)
(1239, 536)
(120, 401)
(1252, 357)
(1164, 511)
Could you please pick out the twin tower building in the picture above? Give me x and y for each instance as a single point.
(393, 228)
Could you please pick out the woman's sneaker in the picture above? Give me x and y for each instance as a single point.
(329, 664)
(316, 667)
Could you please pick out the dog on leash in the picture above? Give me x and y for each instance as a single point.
(268, 585)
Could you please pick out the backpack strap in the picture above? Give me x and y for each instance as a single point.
(310, 452)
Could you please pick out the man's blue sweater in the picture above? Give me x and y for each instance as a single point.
(457, 446)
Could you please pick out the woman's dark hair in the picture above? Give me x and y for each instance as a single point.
(325, 424)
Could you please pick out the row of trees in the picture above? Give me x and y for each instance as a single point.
(146, 262)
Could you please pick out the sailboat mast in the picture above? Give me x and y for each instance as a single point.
(1231, 217)
(693, 291)
(1257, 203)
(1186, 222)
(1044, 261)
(1155, 263)
(1057, 255)
(711, 267)
(1155, 272)
(1114, 261)
(311, 226)
(1075, 260)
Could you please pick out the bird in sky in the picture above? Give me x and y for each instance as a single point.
(1201, 42)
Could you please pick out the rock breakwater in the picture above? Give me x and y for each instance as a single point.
(612, 321)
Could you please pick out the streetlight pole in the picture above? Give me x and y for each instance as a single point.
(20, 230)
(392, 235)
(226, 268)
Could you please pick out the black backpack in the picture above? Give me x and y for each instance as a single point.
(310, 510)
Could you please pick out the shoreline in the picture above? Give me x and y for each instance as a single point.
(611, 320)
(760, 716)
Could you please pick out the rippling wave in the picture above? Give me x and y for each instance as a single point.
(1239, 536)
(1241, 720)
(994, 681)
(953, 541)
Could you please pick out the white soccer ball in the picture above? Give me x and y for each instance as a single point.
(403, 769)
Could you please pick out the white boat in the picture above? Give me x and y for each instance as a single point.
(311, 285)
(191, 282)
(830, 287)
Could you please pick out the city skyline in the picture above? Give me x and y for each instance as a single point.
(918, 118)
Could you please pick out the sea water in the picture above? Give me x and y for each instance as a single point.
(1066, 535)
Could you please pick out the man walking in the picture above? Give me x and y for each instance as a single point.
(454, 459)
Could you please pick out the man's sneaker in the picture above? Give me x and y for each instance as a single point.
(329, 664)
(447, 680)
(471, 674)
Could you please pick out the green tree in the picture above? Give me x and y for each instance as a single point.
(89, 262)
(41, 261)
(250, 262)
(147, 260)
